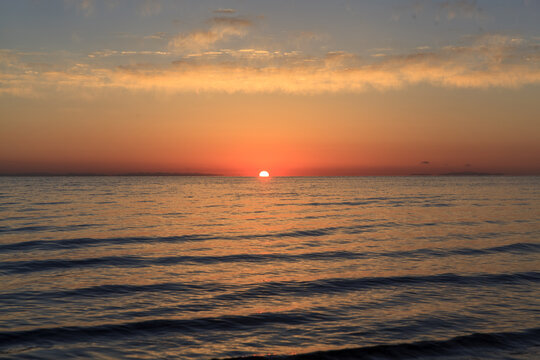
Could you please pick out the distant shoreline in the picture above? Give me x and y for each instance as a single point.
(466, 173)
(97, 174)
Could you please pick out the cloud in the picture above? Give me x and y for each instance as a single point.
(234, 22)
(221, 29)
(157, 36)
(465, 8)
(380, 52)
(449, 9)
(150, 7)
(7, 57)
(424, 162)
(480, 62)
(225, 11)
(108, 53)
(341, 59)
(308, 36)
(84, 6)
(306, 39)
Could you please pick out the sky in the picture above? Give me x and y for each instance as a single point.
(298, 88)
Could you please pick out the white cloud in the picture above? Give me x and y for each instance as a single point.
(221, 29)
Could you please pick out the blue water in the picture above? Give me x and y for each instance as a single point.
(301, 268)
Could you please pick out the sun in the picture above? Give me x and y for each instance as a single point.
(264, 173)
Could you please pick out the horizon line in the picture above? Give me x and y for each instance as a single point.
(164, 174)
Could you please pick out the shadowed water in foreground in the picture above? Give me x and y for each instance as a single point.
(278, 268)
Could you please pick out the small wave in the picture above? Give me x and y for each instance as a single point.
(137, 261)
(101, 291)
(74, 243)
(86, 242)
(52, 203)
(336, 203)
(511, 248)
(31, 228)
(7, 229)
(437, 205)
(426, 252)
(460, 345)
(130, 261)
(281, 288)
(341, 285)
(67, 334)
(297, 233)
(382, 201)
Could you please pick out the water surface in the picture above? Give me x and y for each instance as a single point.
(216, 267)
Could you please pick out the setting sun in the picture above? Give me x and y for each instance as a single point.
(264, 173)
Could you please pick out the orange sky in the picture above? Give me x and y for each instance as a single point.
(239, 134)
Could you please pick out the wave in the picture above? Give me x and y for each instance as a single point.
(279, 288)
(101, 291)
(52, 203)
(380, 201)
(339, 285)
(74, 243)
(155, 327)
(465, 345)
(462, 345)
(18, 267)
(389, 203)
(38, 228)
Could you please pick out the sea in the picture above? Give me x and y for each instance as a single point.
(179, 267)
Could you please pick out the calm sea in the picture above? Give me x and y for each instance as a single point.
(219, 267)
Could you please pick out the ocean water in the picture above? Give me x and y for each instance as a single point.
(300, 268)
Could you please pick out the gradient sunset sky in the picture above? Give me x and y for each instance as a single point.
(292, 87)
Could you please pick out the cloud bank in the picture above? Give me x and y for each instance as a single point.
(483, 62)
